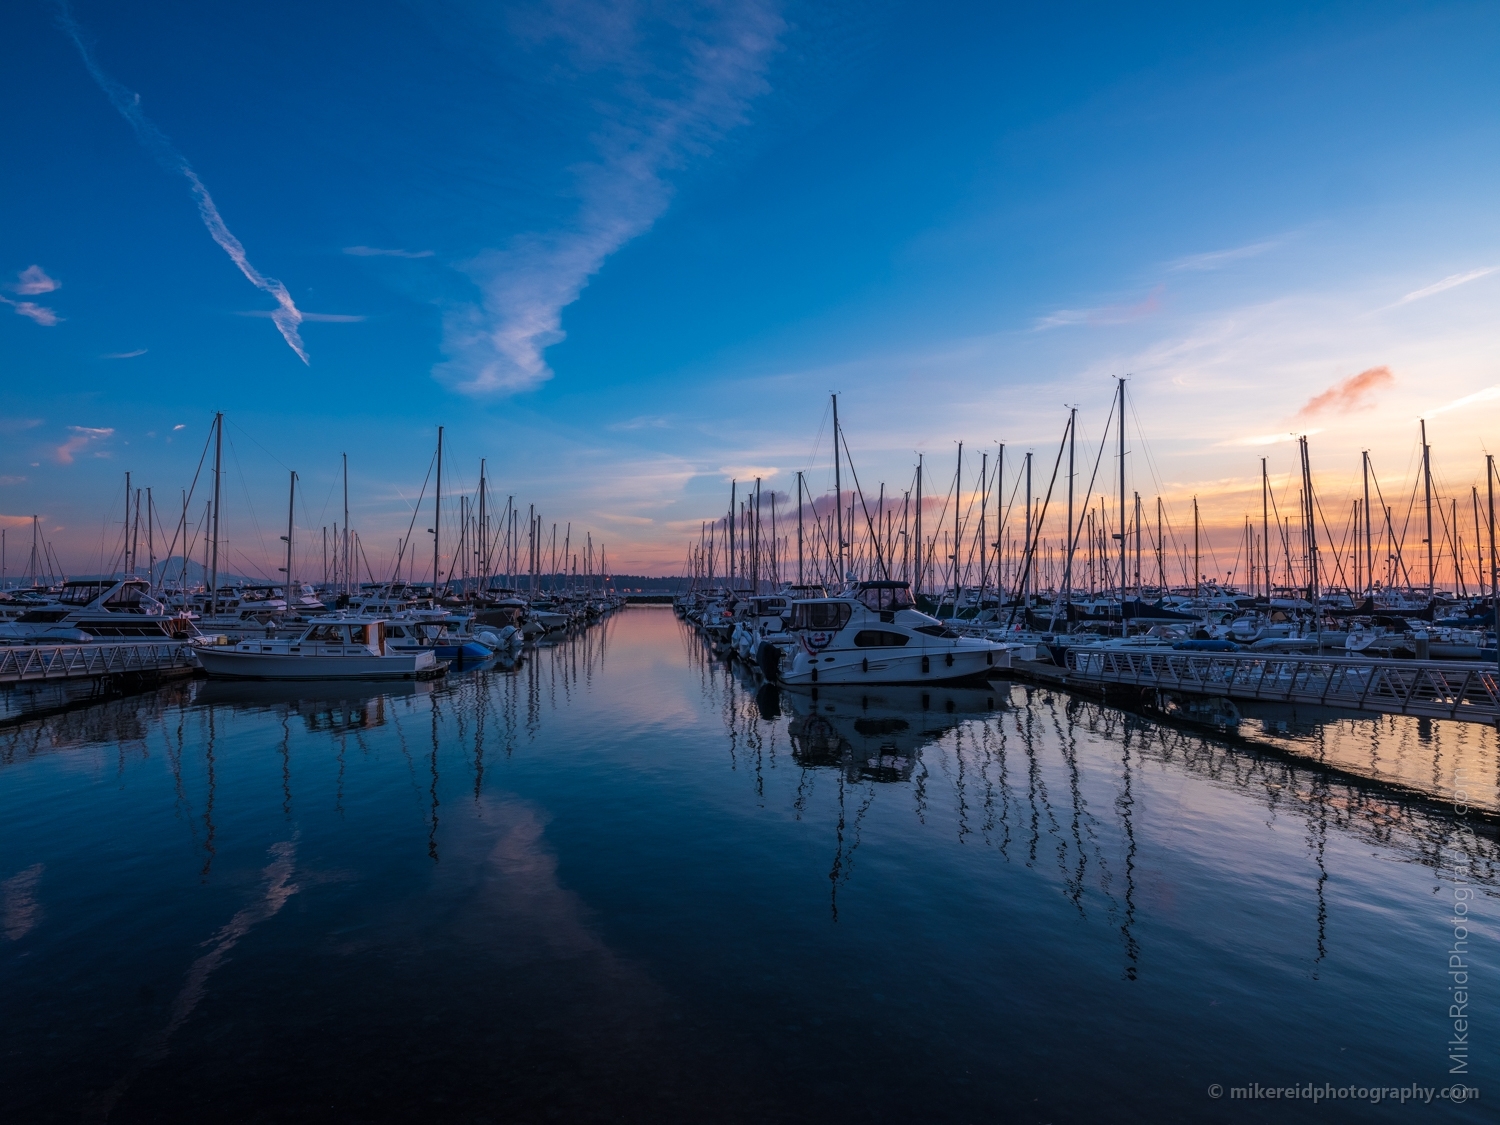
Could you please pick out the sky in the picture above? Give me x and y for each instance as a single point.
(624, 252)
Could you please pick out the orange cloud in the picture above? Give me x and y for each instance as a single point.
(1354, 393)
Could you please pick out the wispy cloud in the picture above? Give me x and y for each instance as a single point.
(128, 103)
(39, 313)
(1486, 395)
(1104, 314)
(743, 473)
(1353, 393)
(1218, 259)
(1447, 283)
(310, 317)
(34, 280)
(716, 66)
(12, 480)
(83, 437)
(1269, 439)
(643, 422)
(124, 355)
(377, 252)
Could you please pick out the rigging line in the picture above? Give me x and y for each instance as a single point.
(879, 555)
(1029, 555)
(1386, 517)
(1338, 564)
(249, 504)
(258, 445)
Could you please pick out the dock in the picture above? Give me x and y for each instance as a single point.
(1435, 689)
(40, 678)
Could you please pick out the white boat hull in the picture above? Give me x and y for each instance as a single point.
(235, 662)
(943, 663)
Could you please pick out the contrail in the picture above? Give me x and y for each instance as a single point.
(286, 316)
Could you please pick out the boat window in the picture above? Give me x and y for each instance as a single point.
(879, 638)
(886, 597)
(358, 634)
(937, 631)
(127, 597)
(81, 593)
(41, 616)
(397, 631)
(326, 634)
(821, 615)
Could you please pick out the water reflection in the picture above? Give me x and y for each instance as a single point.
(623, 868)
(1075, 757)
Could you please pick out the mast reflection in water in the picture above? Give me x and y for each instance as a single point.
(620, 882)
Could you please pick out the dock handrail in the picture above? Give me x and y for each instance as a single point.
(32, 663)
(1440, 689)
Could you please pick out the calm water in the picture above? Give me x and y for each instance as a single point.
(616, 884)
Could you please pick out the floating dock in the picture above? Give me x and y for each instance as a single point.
(38, 678)
(1434, 689)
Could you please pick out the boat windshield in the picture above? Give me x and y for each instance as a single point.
(886, 595)
(81, 593)
(325, 634)
(826, 616)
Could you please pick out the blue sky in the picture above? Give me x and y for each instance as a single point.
(624, 251)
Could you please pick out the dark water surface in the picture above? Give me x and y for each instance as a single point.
(616, 885)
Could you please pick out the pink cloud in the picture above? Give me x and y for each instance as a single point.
(38, 313)
(1354, 393)
(83, 437)
(34, 280)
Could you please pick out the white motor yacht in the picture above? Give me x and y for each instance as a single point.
(876, 635)
(331, 648)
(104, 609)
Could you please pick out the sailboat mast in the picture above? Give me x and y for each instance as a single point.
(1025, 590)
(800, 579)
(1138, 545)
(1122, 506)
(344, 566)
(958, 527)
(484, 533)
(838, 493)
(1068, 562)
(1427, 492)
(1197, 563)
(917, 529)
(1489, 484)
(291, 507)
(150, 541)
(1369, 546)
(213, 582)
(437, 518)
(1265, 527)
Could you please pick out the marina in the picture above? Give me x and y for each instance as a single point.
(580, 561)
(620, 873)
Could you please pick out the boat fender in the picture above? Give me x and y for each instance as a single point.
(948, 659)
(925, 665)
(989, 659)
(815, 675)
(864, 665)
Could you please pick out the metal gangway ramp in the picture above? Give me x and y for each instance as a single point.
(22, 664)
(1436, 689)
